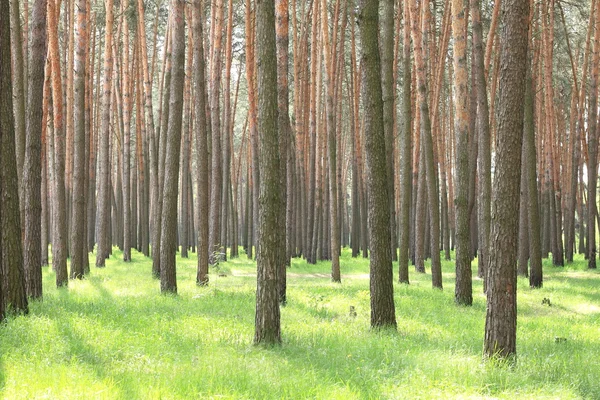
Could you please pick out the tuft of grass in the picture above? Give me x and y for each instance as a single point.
(114, 336)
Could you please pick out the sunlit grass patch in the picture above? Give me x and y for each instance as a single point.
(113, 335)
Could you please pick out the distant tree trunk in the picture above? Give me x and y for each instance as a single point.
(216, 188)
(200, 129)
(535, 247)
(381, 274)
(501, 317)
(329, 83)
(484, 158)
(389, 102)
(78, 246)
(13, 296)
(267, 322)
(59, 242)
(226, 144)
(104, 245)
(427, 143)
(184, 214)
(523, 254)
(168, 281)
(592, 167)
(19, 93)
(127, 193)
(405, 155)
(150, 131)
(31, 178)
(282, 43)
(463, 291)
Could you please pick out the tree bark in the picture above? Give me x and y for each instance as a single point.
(168, 239)
(78, 246)
(381, 275)
(405, 155)
(200, 130)
(463, 294)
(31, 179)
(501, 315)
(13, 297)
(267, 322)
(104, 245)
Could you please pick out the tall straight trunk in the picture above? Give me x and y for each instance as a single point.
(523, 254)
(226, 144)
(483, 139)
(168, 239)
(381, 274)
(283, 122)
(78, 246)
(267, 322)
(501, 316)
(126, 180)
(405, 154)
(592, 169)
(13, 296)
(215, 116)
(389, 96)
(427, 140)
(420, 215)
(535, 247)
(104, 245)
(201, 134)
(463, 294)
(59, 243)
(31, 178)
(19, 93)
(329, 83)
(184, 215)
(150, 129)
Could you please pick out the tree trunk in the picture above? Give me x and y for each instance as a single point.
(332, 146)
(535, 247)
(501, 316)
(282, 44)
(427, 144)
(104, 245)
(31, 178)
(389, 103)
(13, 296)
(381, 275)
(200, 130)
(267, 322)
(59, 243)
(463, 294)
(168, 239)
(78, 246)
(483, 139)
(592, 169)
(405, 156)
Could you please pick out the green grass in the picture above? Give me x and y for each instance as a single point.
(113, 335)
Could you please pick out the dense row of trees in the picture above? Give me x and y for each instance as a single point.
(294, 128)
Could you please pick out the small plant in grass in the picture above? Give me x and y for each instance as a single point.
(217, 257)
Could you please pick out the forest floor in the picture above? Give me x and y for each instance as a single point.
(113, 335)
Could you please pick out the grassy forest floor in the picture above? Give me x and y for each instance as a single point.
(113, 335)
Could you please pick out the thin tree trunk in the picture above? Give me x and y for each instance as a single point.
(104, 245)
(463, 290)
(31, 178)
(78, 246)
(168, 281)
(200, 130)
